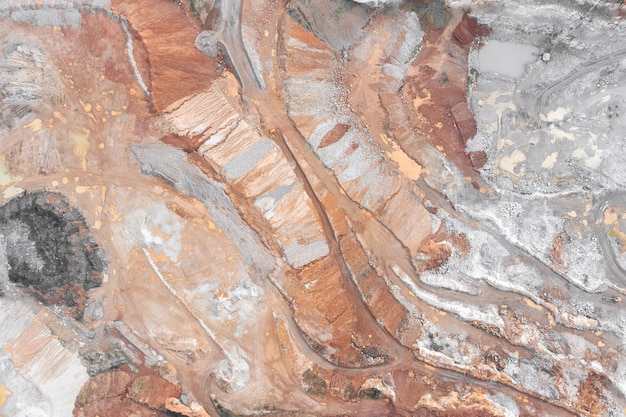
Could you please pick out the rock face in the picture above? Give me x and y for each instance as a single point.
(157, 29)
(118, 392)
(219, 208)
(435, 88)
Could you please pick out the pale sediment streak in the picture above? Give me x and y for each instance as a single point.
(131, 57)
(172, 291)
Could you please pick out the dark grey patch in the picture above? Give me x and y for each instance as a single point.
(432, 14)
(338, 23)
(103, 361)
(49, 249)
(299, 18)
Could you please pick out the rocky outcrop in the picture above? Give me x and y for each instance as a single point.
(50, 251)
(435, 91)
(348, 20)
(120, 391)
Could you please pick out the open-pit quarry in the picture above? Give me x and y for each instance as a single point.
(411, 208)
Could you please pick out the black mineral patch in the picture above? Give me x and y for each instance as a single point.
(50, 250)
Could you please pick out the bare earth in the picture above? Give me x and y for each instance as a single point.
(312, 208)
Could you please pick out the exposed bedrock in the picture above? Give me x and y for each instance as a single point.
(435, 88)
(50, 251)
(312, 208)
